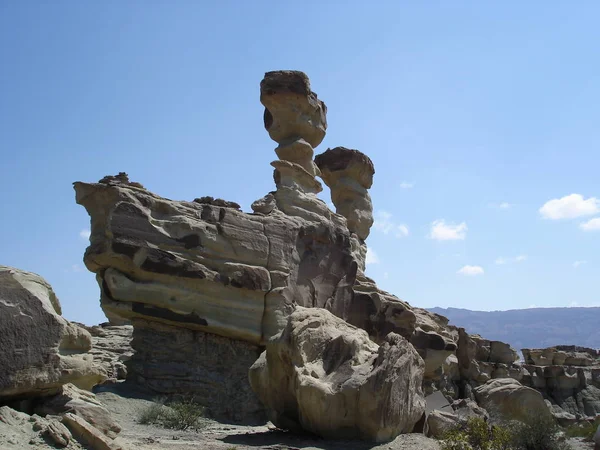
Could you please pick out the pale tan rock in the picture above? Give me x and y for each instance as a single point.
(83, 404)
(327, 377)
(507, 399)
(438, 423)
(41, 350)
(88, 434)
(292, 110)
(349, 175)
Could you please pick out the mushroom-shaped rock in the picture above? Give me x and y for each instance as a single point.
(325, 376)
(292, 110)
(349, 174)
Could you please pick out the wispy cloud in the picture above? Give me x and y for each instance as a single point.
(406, 185)
(471, 271)
(591, 225)
(372, 257)
(502, 205)
(442, 231)
(84, 234)
(576, 264)
(386, 225)
(570, 207)
(502, 260)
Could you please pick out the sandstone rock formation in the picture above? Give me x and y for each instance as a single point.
(325, 376)
(81, 403)
(568, 377)
(111, 348)
(41, 350)
(349, 175)
(206, 286)
(506, 399)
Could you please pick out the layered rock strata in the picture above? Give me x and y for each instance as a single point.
(568, 377)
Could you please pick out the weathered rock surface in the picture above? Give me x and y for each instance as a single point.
(40, 350)
(568, 377)
(211, 369)
(111, 348)
(349, 175)
(506, 399)
(84, 404)
(325, 376)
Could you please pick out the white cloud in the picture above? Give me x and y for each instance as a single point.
(406, 185)
(372, 257)
(384, 223)
(502, 260)
(502, 205)
(573, 304)
(570, 207)
(591, 225)
(576, 264)
(76, 268)
(84, 234)
(471, 270)
(441, 231)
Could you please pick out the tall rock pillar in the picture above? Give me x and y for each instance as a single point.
(349, 175)
(296, 119)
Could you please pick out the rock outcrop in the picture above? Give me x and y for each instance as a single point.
(326, 376)
(568, 377)
(40, 350)
(206, 274)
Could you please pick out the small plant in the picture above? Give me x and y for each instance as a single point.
(540, 432)
(151, 414)
(183, 414)
(476, 434)
(585, 430)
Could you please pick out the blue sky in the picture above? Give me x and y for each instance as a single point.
(476, 115)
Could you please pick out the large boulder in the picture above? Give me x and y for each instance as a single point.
(506, 399)
(40, 350)
(322, 375)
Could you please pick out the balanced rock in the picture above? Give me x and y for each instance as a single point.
(349, 175)
(327, 377)
(41, 350)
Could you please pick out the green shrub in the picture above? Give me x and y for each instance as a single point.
(182, 414)
(538, 433)
(476, 434)
(585, 430)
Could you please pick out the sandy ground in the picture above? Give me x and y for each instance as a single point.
(219, 436)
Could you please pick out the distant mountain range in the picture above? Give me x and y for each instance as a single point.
(530, 328)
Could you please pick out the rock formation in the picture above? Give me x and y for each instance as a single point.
(506, 399)
(206, 285)
(47, 369)
(568, 377)
(207, 288)
(41, 350)
(323, 375)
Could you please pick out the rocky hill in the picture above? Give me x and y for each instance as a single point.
(530, 328)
